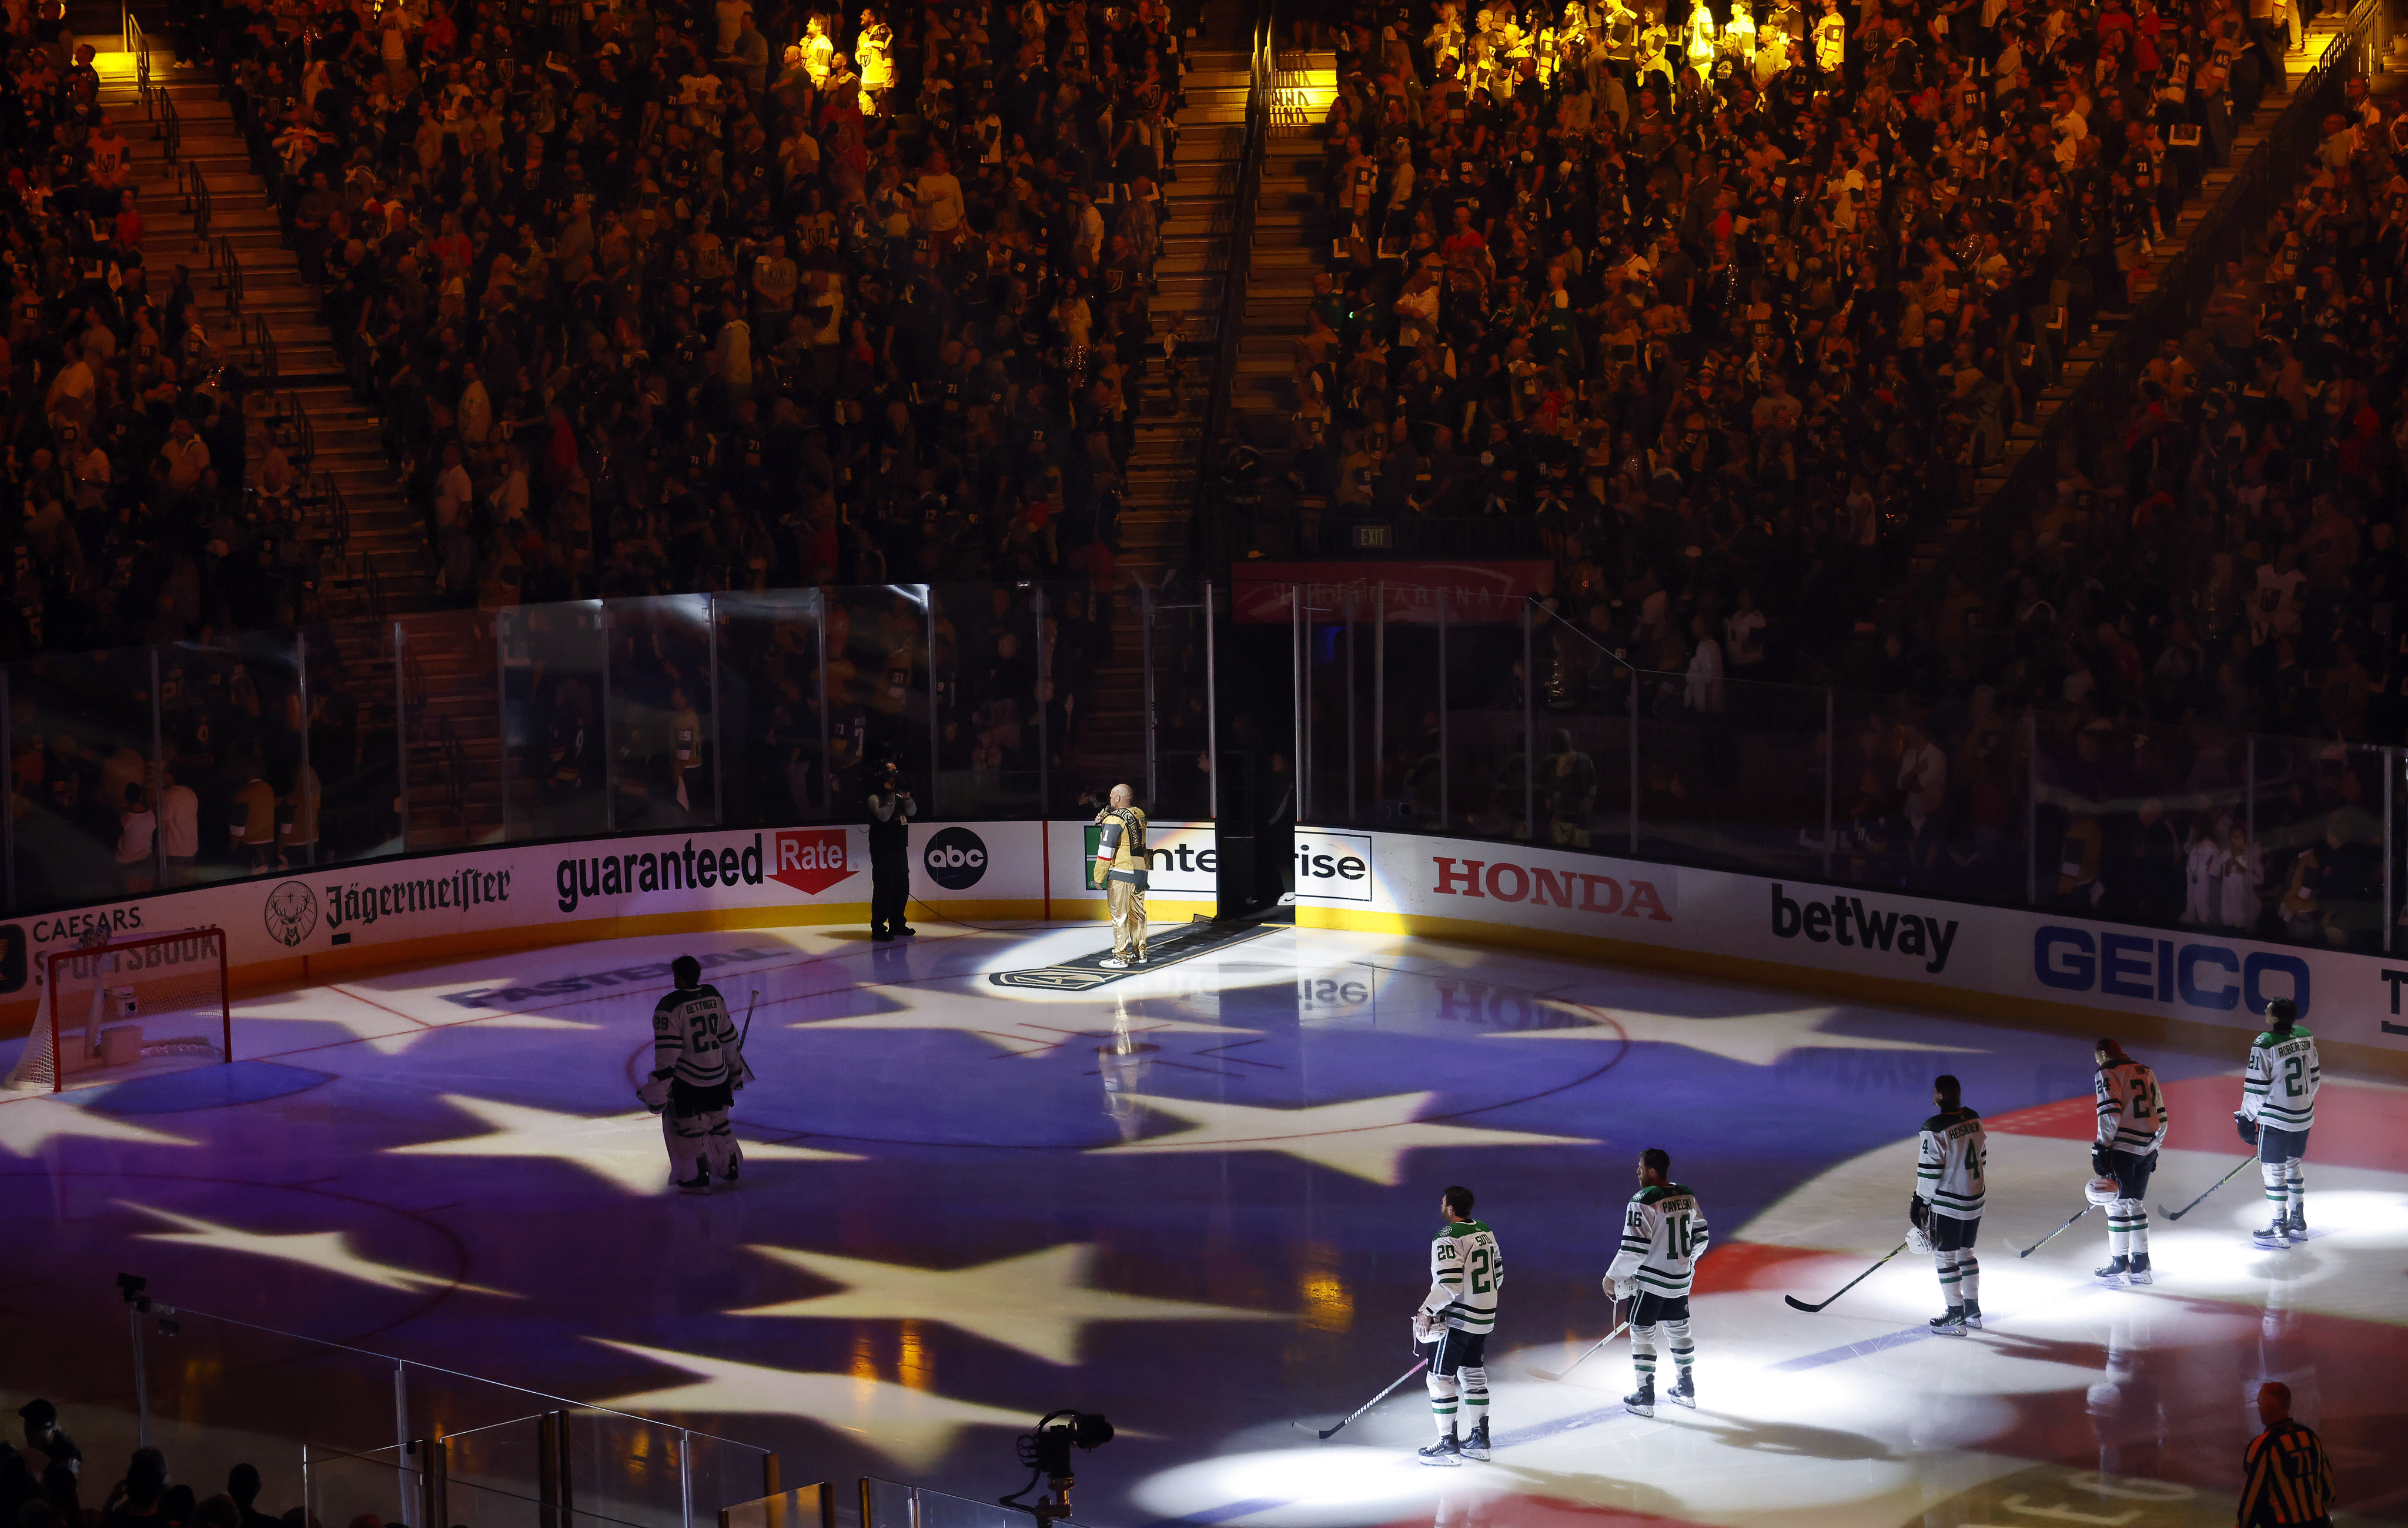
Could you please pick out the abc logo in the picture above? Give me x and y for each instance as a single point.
(956, 858)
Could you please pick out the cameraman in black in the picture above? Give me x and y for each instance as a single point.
(890, 810)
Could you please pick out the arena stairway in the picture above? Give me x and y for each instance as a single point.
(206, 210)
(2026, 435)
(1190, 277)
(1291, 242)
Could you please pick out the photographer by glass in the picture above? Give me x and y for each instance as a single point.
(890, 810)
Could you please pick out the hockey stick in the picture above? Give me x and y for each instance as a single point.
(2027, 1252)
(1542, 1374)
(1325, 1434)
(2211, 1188)
(748, 1019)
(1796, 1303)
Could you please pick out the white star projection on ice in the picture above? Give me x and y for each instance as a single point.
(325, 1251)
(1758, 1039)
(1040, 1303)
(914, 1428)
(1032, 1037)
(1365, 1137)
(623, 1150)
(29, 1124)
(387, 1031)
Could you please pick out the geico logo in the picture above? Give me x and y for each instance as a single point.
(953, 859)
(2214, 978)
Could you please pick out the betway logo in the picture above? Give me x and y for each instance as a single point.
(1536, 884)
(1847, 920)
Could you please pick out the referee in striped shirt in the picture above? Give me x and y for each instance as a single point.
(2286, 1481)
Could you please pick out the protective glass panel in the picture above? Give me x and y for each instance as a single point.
(452, 725)
(1586, 743)
(261, 792)
(1181, 786)
(878, 685)
(352, 743)
(1731, 772)
(772, 726)
(663, 761)
(1487, 788)
(987, 683)
(80, 731)
(554, 666)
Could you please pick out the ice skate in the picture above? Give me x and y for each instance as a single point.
(1641, 1402)
(1949, 1324)
(2139, 1272)
(1445, 1452)
(1683, 1391)
(2296, 1228)
(1973, 1315)
(1476, 1445)
(2273, 1238)
(2116, 1268)
(698, 1183)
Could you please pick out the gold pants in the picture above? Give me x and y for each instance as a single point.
(1126, 900)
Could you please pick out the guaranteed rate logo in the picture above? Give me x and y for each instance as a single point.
(811, 860)
(683, 868)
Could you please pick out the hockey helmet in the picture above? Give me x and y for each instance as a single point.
(2102, 1189)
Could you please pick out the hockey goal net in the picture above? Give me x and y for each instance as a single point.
(108, 1009)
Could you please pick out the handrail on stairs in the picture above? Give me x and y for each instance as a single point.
(196, 201)
(1230, 323)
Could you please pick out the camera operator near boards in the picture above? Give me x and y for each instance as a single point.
(890, 810)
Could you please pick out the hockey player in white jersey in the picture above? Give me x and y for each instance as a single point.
(1952, 1157)
(2278, 1103)
(697, 1065)
(1663, 1236)
(1456, 1315)
(2131, 1127)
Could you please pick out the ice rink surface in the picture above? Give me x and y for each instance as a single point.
(1198, 1199)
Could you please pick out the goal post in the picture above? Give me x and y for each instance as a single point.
(107, 1007)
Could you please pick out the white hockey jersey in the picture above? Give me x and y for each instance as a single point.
(1663, 1234)
(692, 1036)
(2131, 1111)
(1466, 1272)
(2280, 1087)
(1951, 1158)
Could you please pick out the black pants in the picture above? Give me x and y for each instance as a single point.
(890, 888)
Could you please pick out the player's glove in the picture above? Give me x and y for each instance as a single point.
(1621, 1288)
(1918, 1214)
(1424, 1326)
(2099, 1161)
(2247, 1126)
(655, 1091)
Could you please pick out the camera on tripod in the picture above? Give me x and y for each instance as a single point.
(1045, 1449)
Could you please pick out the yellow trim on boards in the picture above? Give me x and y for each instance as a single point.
(2023, 1013)
(17, 1014)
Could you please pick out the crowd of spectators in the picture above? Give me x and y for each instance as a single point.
(1736, 307)
(139, 507)
(671, 297)
(44, 1484)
